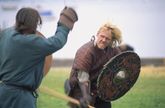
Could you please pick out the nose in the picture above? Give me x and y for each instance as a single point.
(104, 39)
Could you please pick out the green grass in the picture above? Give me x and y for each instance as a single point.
(54, 80)
(148, 91)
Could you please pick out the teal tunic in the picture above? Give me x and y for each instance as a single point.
(21, 64)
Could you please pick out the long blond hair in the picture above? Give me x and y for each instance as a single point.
(116, 33)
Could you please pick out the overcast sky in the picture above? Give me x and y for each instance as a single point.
(141, 22)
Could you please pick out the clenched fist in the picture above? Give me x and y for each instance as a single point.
(68, 17)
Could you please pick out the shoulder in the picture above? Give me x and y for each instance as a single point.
(113, 51)
(8, 32)
(87, 47)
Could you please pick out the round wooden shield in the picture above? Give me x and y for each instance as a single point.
(118, 75)
(48, 59)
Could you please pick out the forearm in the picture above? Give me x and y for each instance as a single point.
(84, 83)
(60, 37)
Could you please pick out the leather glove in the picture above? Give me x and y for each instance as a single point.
(68, 17)
(85, 101)
(86, 98)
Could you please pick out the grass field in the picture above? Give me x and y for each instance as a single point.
(148, 91)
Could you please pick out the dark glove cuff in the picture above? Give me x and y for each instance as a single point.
(83, 103)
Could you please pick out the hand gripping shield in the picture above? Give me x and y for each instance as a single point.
(118, 75)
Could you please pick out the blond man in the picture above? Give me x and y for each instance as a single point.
(88, 62)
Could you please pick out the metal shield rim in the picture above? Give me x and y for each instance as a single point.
(112, 59)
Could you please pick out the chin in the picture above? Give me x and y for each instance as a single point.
(102, 47)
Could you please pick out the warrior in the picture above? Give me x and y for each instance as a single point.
(22, 56)
(88, 62)
(126, 47)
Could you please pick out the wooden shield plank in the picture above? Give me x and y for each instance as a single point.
(118, 76)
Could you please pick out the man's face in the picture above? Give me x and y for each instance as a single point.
(103, 39)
